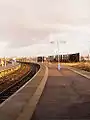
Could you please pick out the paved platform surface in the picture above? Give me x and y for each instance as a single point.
(66, 96)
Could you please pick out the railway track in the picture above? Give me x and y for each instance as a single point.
(14, 87)
(6, 81)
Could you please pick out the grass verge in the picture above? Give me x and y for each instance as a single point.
(80, 65)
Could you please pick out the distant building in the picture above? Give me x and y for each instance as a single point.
(65, 58)
(51, 58)
(40, 59)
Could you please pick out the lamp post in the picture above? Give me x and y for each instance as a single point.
(62, 42)
(58, 56)
(5, 61)
(89, 51)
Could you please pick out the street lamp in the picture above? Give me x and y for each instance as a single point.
(89, 51)
(5, 61)
(62, 42)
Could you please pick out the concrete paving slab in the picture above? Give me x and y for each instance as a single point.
(64, 97)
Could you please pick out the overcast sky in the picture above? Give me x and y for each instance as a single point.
(28, 26)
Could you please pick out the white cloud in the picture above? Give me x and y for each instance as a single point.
(27, 22)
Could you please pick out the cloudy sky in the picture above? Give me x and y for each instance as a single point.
(28, 26)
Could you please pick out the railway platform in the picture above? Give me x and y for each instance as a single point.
(66, 96)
